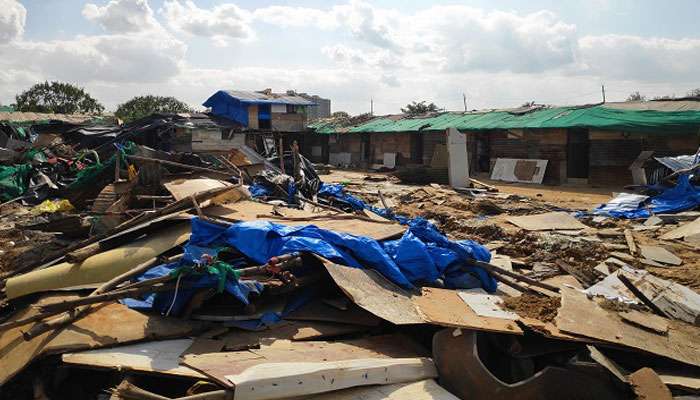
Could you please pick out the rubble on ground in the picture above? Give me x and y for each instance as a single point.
(132, 272)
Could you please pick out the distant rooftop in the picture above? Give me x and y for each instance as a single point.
(268, 97)
(22, 117)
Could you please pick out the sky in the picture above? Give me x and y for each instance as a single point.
(497, 54)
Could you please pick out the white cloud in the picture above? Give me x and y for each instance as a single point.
(286, 16)
(222, 23)
(634, 57)
(373, 58)
(13, 16)
(122, 16)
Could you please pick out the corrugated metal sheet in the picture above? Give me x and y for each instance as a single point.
(263, 98)
(676, 163)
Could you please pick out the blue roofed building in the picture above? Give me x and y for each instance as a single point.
(263, 110)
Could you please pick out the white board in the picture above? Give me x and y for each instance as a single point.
(458, 165)
(390, 160)
(509, 170)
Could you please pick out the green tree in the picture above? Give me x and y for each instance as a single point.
(694, 93)
(418, 108)
(143, 106)
(57, 97)
(636, 96)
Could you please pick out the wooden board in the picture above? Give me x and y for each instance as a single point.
(422, 390)
(557, 220)
(659, 254)
(689, 229)
(649, 321)
(218, 365)
(239, 339)
(319, 311)
(519, 170)
(580, 316)
(445, 307)
(247, 210)
(373, 292)
(182, 188)
(680, 378)
(156, 357)
(648, 386)
(279, 380)
(106, 326)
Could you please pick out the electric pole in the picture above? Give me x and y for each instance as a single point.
(464, 97)
(371, 106)
(602, 87)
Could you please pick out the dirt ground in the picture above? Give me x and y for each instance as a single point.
(573, 197)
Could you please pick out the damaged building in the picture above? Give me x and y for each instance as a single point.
(590, 144)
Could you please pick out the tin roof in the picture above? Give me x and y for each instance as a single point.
(269, 98)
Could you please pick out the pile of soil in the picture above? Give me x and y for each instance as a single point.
(542, 308)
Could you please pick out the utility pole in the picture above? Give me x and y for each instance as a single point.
(603, 89)
(464, 97)
(371, 106)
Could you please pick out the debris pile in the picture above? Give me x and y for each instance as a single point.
(129, 272)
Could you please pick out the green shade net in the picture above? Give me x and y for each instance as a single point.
(14, 180)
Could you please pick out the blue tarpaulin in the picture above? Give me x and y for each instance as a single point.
(422, 255)
(337, 192)
(684, 196)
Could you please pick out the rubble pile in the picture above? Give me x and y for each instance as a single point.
(134, 272)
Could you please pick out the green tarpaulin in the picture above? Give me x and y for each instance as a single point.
(595, 117)
(14, 180)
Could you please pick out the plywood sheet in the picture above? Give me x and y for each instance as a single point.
(689, 229)
(182, 188)
(218, 365)
(247, 210)
(374, 293)
(557, 220)
(580, 316)
(106, 326)
(239, 339)
(319, 311)
(445, 307)
(280, 380)
(519, 170)
(659, 254)
(422, 390)
(158, 357)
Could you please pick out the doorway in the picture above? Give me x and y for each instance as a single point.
(577, 153)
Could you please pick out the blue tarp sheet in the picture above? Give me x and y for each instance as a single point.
(422, 255)
(337, 192)
(224, 105)
(684, 196)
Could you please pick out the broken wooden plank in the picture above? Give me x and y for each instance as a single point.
(646, 320)
(282, 380)
(218, 365)
(162, 357)
(630, 242)
(659, 254)
(557, 220)
(485, 305)
(373, 292)
(619, 372)
(247, 210)
(580, 316)
(239, 339)
(421, 390)
(106, 325)
(689, 229)
(445, 307)
(648, 386)
(182, 188)
(319, 311)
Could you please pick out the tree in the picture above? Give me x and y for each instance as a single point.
(635, 96)
(416, 108)
(528, 104)
(142, 106)
(694, 92)
(57, 97)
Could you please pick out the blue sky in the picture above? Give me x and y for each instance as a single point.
(499, 53)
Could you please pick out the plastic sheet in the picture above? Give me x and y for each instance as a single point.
(684, 196)
(14, 180)
(422, 255)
